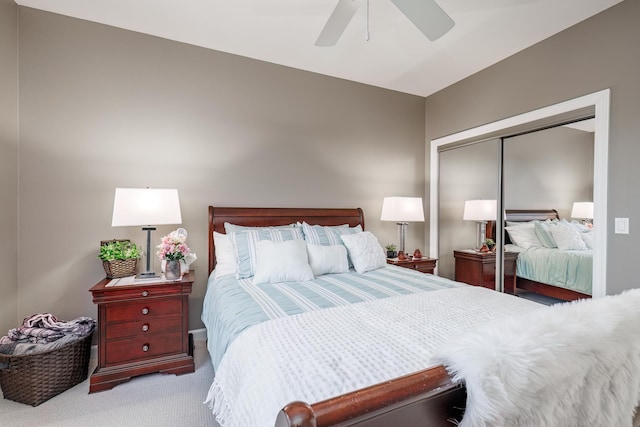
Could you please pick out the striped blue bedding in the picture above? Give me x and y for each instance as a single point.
(232, 305)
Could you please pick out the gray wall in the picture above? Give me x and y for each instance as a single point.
(599, 53)
(102, 107)
(548, 169)
(8, 164)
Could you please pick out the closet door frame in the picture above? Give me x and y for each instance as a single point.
(598, 102)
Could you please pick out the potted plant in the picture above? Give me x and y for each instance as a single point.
(391, 250)
(119, 258)
(490, 244)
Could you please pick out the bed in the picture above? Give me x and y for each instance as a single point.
(549, 271)
(309, 368)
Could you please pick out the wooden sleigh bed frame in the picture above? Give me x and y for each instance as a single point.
(522, 215)
(428, 397)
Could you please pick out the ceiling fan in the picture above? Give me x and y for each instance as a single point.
(427, 15)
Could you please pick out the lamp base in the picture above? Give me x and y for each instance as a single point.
(481, 230)
(147, 276)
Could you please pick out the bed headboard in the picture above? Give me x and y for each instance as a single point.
(262, 217)
(524, 215)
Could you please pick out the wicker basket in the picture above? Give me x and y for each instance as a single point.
(34, 378)
(119, 267)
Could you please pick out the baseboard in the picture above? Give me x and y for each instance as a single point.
(198, 335)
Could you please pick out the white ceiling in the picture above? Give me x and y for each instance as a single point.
(397, 56)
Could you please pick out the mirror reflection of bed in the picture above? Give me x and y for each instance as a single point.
(560, 273)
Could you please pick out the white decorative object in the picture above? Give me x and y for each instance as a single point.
(365, 251)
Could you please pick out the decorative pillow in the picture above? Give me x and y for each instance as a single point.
(543, 234)
(587, 238)
(365, 251)
(523, 235)
(245, 243)
(281, 262)
(233, 228)
(226, 262)
(581, 227)
(327, 235)
(567, 237)
(327, 259)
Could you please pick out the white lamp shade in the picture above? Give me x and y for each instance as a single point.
(480, 210)
(145, 206)
(402, 209)
(582, 210)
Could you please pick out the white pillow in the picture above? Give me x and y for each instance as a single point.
(327, 259)
(567, 237)
(364, 250)
(281, 262)
(587, 238)
(524, 235)
(226, 262)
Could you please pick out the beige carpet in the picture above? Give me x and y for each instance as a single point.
(150, 400)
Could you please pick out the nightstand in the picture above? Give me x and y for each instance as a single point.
(142, 329)
(479, 269)
(423, 265)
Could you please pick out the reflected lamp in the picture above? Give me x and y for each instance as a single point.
(583, 211)
(480, 211)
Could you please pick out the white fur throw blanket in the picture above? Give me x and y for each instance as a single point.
(575, 364)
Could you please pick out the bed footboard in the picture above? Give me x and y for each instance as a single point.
(427, 397)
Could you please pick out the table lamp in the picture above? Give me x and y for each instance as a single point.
(146, 207)
(583, 211)
(480, 211)
(402, 210)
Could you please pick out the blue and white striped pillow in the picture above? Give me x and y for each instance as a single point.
(246, 242)
(327, 235)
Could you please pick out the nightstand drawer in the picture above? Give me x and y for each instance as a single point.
(141, 348)
(144, 327)
(143, 309)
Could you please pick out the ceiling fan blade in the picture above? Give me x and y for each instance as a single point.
(427, 15)
(337, 23)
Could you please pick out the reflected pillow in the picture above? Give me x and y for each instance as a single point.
(226, 262)
(544, 234)
(327, 259)
(587, 238)
(523, 235)
(281, 262)
(568, 238)
(365, 251)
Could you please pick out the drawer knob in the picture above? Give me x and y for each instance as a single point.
(145, 347)
(145, 327)
(145, 293)
(145, 310)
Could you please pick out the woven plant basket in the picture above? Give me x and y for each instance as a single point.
(34, 378)
(119, 267)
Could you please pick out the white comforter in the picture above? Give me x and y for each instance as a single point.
(317, 355)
